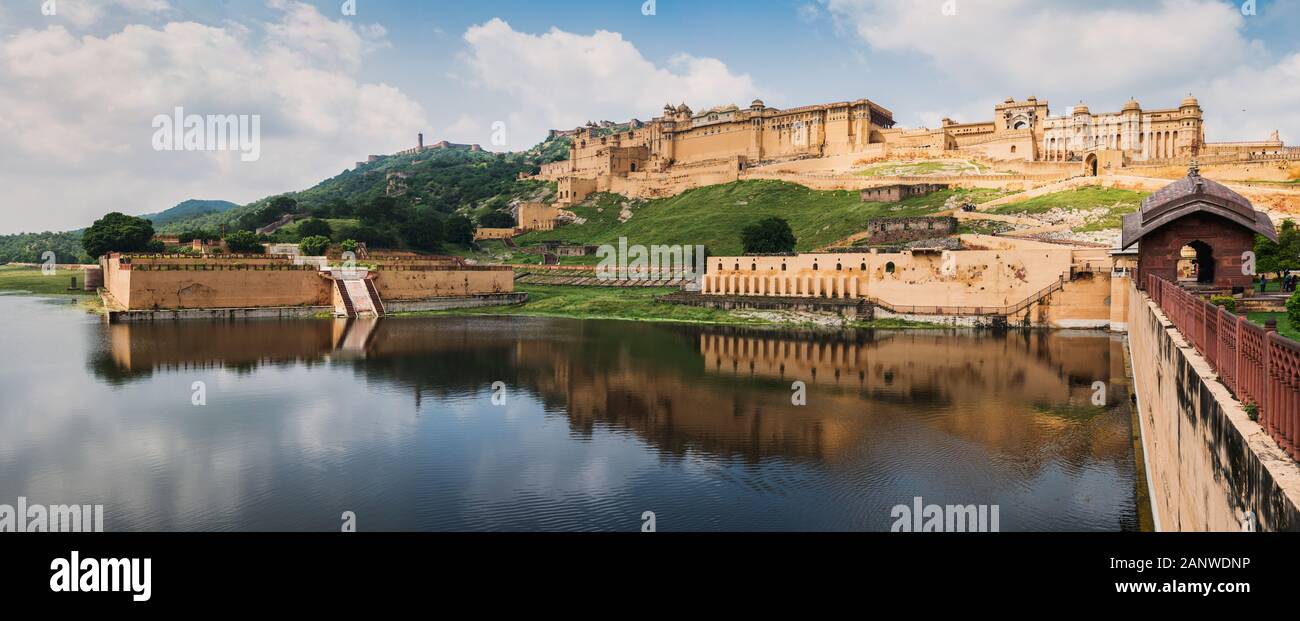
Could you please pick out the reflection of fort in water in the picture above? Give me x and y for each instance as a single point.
(723, 391)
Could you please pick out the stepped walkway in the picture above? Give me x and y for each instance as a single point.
(357, 295)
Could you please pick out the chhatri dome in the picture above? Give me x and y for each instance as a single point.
(1192, 194)
(1132, 105)
(1081, 109)
(1190, 101)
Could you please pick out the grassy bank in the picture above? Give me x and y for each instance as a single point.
(638, 304)
(1284, 326)
(1116, 203)
(714, 216)
(31, 280)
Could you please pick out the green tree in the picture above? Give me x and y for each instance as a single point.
(496, 220)
(379, 210)
(459, 230)
(1293, 308)
(314, 227)
(349, 245)
(244, 242)
(117, 232)
(314, 245)
(1279, 256)
(424, 233)
(768, 235)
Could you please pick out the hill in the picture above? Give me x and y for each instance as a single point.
(714, 215)
(187, 210)
(435, 182)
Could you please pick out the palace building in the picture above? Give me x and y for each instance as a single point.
(683, 148)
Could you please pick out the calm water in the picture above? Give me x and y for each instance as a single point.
(394, 420)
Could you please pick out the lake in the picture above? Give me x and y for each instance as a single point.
(500, 423)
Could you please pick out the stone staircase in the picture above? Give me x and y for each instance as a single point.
(357, 295)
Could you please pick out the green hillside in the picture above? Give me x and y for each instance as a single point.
(1100, 208)
(714, 215)
(188, 210)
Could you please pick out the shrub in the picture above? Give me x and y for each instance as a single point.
(424, 233)
(1293, 308)
(349, 245)
(244, 242)
(459, 230)
(768, 235)
(314, 227)
(1226, 301)
(496, 220)
(315, 245)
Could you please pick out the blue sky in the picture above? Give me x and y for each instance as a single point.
(78, 88)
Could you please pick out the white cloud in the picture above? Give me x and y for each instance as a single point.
(1045, 44)
(1250, 102)
(1103, 51)
(562, 80)
(78, 112)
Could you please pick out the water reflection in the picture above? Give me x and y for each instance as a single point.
(603, 420)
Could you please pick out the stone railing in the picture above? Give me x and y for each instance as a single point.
(1259, 366)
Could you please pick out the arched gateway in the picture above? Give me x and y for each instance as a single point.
(1219, 224)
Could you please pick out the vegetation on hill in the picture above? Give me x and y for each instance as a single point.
(188, 210)
(1086, 208)
(714, 215)
(28, 247)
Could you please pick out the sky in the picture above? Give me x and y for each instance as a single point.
(83, 82)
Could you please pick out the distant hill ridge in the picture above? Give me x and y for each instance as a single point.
(192, 208)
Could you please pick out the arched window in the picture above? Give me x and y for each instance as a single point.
(814, 267)
(889, 267)
(753, 267)
(864, 266)
(782, 267)
(839, 268)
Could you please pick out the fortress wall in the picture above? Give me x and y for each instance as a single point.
(423, 284)
(983, 277)
(1209, 463)
(1277, 170)
(117, 281)
(185, 289)
(239, 284)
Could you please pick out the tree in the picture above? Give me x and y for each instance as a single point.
(244, 242)
(459, 230)
(424, 233)
(496, 220)
(768, 235)
(349, 245)
(379, 210)
(117, 232)
(193, 234)
(314, 227)
(315, 245)
(1279, 256)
